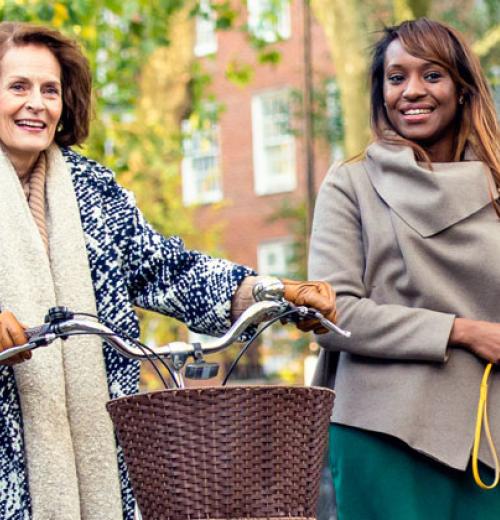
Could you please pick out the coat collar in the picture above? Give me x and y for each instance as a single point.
(429, 201)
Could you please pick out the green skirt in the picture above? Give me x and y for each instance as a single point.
(378, 477)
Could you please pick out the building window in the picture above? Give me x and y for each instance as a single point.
(269, 20)
(201, 172)
(206, 38)
(273, 144)
(274, 257)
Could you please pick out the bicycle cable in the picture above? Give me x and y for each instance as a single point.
(141, 346)
(146, 350)
(249, 343)
(162, 362)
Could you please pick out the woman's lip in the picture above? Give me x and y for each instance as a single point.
(31, 129)
(416, 118)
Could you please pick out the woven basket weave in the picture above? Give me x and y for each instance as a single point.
(225, 452)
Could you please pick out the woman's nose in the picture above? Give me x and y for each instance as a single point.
(35, 101)
(414, 88)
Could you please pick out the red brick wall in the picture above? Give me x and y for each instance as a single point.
(245, 214)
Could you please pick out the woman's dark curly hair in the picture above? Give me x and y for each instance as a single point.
(76, 78)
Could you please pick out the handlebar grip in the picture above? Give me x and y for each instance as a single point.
(37, 338)
(12, 351)
(32, 332)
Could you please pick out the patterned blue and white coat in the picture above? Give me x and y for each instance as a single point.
(131, 264)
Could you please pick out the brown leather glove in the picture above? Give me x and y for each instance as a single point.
(318, 295)
(11, 334)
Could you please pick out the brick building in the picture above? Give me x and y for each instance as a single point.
(241, 170)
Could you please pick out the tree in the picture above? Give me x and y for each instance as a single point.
(342, 22)
(143, 68)
(410, 9)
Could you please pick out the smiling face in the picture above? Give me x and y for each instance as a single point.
(421, 101)
(30, 101)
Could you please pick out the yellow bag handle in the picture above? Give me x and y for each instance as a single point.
(482, 415)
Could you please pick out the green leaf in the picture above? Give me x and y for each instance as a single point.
(241, 74)
(270, 57)
(45, 12)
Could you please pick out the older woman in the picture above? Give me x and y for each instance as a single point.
(410, 238)
(70, 235)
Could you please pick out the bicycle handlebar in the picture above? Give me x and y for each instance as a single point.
(44, 335)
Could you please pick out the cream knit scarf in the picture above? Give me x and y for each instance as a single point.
(69, 441)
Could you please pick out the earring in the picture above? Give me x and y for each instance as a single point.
(60, 127)
(461, 100)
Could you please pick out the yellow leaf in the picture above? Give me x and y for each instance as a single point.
(488, 42)
(402, 11)
(89, 32)
(194, 119)
(60, 15)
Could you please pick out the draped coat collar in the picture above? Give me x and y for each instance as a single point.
(450, 191)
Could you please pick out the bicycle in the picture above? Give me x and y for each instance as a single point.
(207, 471)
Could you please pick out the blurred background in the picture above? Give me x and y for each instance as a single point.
(223, 117)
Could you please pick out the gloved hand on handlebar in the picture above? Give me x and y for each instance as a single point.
(11, 334)
(316, 294)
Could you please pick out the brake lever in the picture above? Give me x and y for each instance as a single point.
(307, 312)
(40, 336)
(331, 326)
(41, 330)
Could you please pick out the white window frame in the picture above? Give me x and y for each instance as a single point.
(265, 180)
(280, 247)
(190, 175)
(264, 28)
(206, 36)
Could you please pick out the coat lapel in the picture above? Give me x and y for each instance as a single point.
(448, 194)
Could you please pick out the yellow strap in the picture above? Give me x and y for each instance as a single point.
(482, 413)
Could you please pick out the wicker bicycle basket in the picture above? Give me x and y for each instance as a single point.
(225, 452)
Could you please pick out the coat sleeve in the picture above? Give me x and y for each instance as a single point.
(162, 275)
(337, 255)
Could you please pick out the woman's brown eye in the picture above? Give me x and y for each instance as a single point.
(395, 78)
(433, 76)
(52, 90)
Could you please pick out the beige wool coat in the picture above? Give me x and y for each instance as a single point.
(407, 250)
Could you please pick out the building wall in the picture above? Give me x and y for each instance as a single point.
(244, 214)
